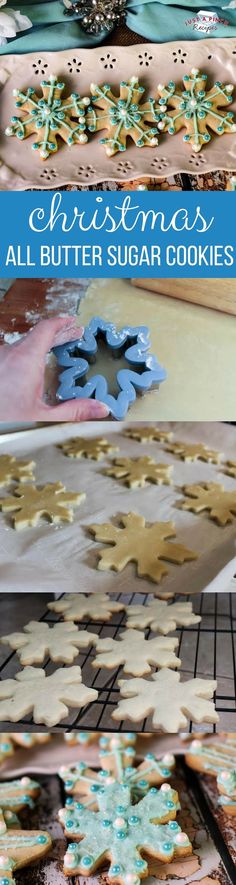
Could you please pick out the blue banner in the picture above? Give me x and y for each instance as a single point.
(118, 234)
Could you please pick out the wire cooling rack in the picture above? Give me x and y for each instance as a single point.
(206, 650)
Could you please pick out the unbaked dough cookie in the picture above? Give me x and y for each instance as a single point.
(137, 472)
(160, 616)
(170, 701)
(213, 497)
(230, 468)
(48, 698)
(140, 542)
(77, 606)
(94, 448)
(30, 503)
(19, 848)
(50, 117)
(123, 116)
(135, 653)
(196, 109)
(61, 642)
(18, 794)
(140, 832)
(148, 433)
(12, 469)
(194, 452)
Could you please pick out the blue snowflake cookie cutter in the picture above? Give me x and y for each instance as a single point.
(132, 343)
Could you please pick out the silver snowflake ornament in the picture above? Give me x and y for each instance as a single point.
(97, 15)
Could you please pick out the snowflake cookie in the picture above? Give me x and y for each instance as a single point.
(135, 653)
(148, 433)
(213, 497)
(95, 448)
(18, 794)
(50, 117)
(170, 701)
(61, 642)
(12, 469)
(193, 452)
(120, 832)
(140, 542)
(230, 468)
(196, 109)
(30, 503)
(48, 698)
(211, 756)
(161, 617)
(137, 472)
(226, 783)
(123, 116)
(119, 765)
(77, 606)
(20, 848)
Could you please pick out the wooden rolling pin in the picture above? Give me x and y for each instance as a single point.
(217, 294)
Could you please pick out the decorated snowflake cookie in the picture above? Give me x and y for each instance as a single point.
(48, 698)
(193, 452)
(18, 794)
(211, 756)
(120, 832)
(135, 653)
(196, 109)
(226, 783)
(29, 504)
(12, 469)
(139, 542)
(62, 642)
(119, 765)
(161, 617)
(170, 701)
(148, 433)
(137, 472)
(213, 497)
(19, 848)
(77, 606)
(50, 117)
(95, 448)
(124, 116)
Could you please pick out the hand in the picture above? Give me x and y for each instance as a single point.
(22, 370)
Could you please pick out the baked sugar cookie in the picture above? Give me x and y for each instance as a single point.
(61, 642)
(18, 794)
(19, 848)
(12, 469)
(123, 116)
(138, 472)
(196, 109)
(135, 653)
(211, 496)
(194, 452)
(30, 503)
(161, 617)
(211, 756)
(142, 543)
(47, 698)
(94, 448)
(226, 783)
(170, 701)
(50, 117)
(140, 832)
(77, 606)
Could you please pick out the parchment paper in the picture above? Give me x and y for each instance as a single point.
(56, 559)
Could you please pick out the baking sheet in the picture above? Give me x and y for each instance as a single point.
(64, 558)
(22, 169)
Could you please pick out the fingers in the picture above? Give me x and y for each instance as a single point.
(47, 333)
(77, 410)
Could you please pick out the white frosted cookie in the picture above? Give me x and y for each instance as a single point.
(77, 606)
(143, 543)
(47, 698)
(135, 653)
(30, 503)
(170, 701)
(161, 617)
(61, 642)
